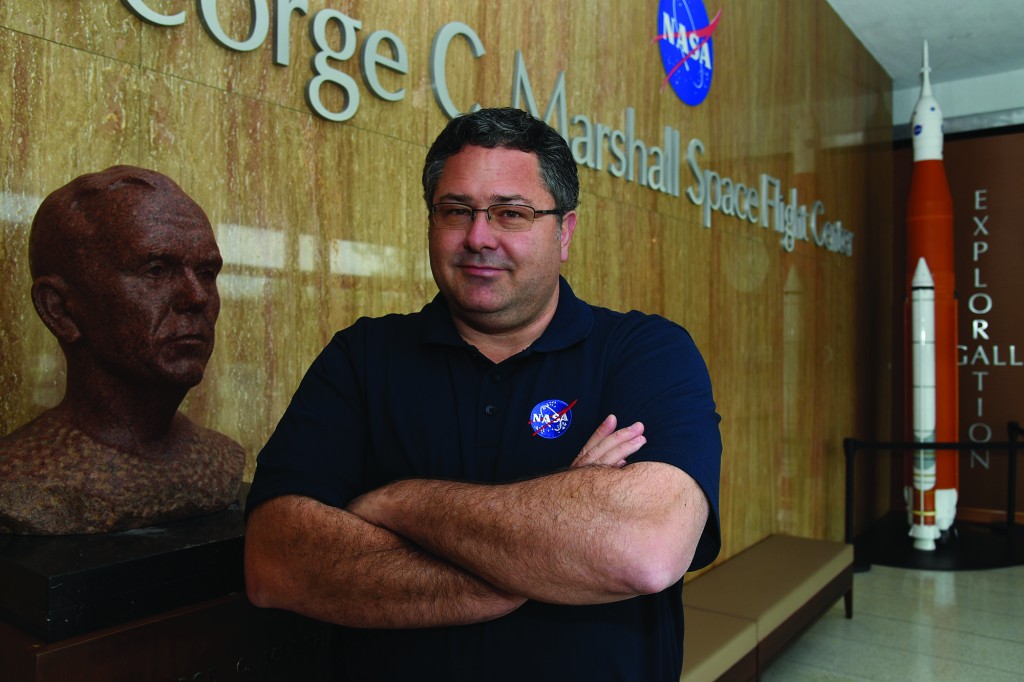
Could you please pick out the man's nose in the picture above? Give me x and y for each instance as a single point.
(193, 291)
(481, 233)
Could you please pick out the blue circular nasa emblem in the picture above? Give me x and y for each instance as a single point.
(551, 418)
(684, 38)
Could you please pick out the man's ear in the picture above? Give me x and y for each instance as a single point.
(565, 234)
(49, 296)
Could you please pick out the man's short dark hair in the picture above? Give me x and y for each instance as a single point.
(509, 129)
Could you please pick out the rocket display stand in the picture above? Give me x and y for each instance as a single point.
(976, 546)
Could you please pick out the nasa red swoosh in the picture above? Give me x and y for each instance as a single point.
(703, 33)
(557, 415)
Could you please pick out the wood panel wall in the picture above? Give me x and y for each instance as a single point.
(321, 222)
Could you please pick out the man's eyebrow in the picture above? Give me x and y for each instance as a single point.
(216, 261)
(450, 196)
(157, 254)
(507, 198)
(493, 199)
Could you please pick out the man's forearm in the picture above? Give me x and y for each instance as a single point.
(587, 535)
(328, 564)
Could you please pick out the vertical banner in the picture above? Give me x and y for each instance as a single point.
(985, 177)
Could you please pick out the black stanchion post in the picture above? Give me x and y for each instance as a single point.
(849, 449)
(1011, 493)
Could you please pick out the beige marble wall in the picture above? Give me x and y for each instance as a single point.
(321, 222)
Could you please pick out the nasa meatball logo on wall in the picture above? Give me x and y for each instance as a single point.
(687, 52)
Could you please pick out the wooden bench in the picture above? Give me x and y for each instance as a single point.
(742, 613)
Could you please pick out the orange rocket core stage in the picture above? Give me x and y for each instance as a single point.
(930, 235)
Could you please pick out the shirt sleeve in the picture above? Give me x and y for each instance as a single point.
(658, 376)
(316, 449)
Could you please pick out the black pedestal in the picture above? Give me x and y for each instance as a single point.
(165, 603)
(970, 546)
(62, 586)
(221, 639)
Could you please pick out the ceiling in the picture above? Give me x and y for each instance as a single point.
(966, 38)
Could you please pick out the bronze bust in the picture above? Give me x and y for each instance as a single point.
(124, 267)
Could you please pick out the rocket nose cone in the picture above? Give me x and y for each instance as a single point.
(922, 275)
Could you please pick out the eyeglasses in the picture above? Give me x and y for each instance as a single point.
(505, 217)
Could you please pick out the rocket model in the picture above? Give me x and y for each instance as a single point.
(931, 476)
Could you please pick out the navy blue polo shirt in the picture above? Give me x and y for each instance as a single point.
(404, 396)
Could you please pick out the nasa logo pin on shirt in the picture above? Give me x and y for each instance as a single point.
(551, 418)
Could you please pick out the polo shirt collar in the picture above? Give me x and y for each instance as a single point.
(572, 323)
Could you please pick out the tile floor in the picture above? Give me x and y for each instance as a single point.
(914, 625)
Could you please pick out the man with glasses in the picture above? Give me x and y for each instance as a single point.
(452, 487)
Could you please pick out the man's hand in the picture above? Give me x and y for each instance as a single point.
(608, 447)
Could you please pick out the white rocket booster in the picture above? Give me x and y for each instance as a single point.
(922, 320)
(922, 310)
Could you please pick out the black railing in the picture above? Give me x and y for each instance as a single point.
(1013, 429)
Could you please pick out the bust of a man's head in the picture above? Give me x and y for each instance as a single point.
(124, 267)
